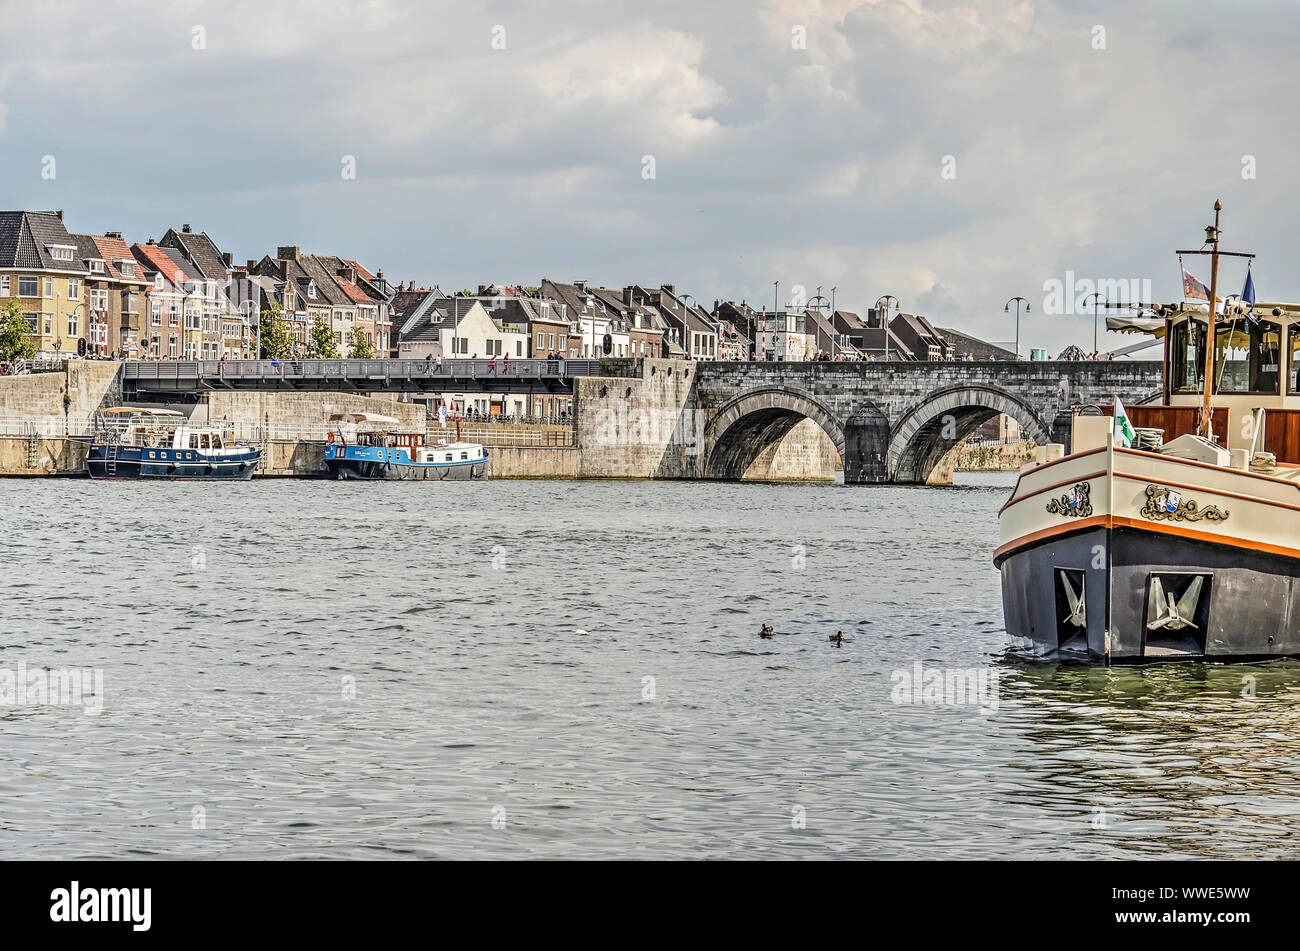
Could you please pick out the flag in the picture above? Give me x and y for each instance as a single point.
(1194, 288)
(1124, 434)
(1248, 296)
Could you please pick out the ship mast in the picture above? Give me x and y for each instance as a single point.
(1205, 422)
(1205, 427)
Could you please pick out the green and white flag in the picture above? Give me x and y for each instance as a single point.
(1124, 434)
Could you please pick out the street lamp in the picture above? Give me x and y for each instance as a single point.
(1095, 298)
(1006, 309)
(884, 322)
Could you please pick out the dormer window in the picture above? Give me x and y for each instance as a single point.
(96, 266)
(126, 268)
(311, 290)
(158, 282)
(62, 252)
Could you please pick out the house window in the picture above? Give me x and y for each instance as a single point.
(72, 325)
(127, 268)
(541, 337)
(99, 300)
(157, 282)
(29, 287)
(551, 338)
(49, 287)
(96, 266)
(60, 252)
(4, 285)
(311, 290)
(33, 321)
(519, 348)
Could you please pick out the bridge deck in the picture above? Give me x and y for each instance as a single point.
(518, 376)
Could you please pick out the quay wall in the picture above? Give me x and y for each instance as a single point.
(54, 456)
(300, 411)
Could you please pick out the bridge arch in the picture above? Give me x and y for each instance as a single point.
(927, 432)
(756, 421)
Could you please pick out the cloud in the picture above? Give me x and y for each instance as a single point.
(819, 164)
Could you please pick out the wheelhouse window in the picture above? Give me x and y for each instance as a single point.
(1186, 356)
(1293, 379)
(1247, 357)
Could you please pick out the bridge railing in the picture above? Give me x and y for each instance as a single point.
(352, 371)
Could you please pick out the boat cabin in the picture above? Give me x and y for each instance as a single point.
(160, 429)
(1256, 384)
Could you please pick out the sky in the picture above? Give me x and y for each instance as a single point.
(950, 154)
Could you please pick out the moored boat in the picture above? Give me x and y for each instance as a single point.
(134, 443)
(1184, 544)
(381, 453)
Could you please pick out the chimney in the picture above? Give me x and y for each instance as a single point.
(669, 288)
(482, 290)
(227, 259)
(251, 264)
(60, 214)
(288, 252)
(113, 234)
(580, 285)
(186, 229)
(627, 295)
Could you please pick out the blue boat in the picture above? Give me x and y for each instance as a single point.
(350, 454)
(132, 443)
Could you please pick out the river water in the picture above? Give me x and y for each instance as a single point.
(336, 669)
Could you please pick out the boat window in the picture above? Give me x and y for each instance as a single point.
(216, 441)
(1246, 357)
(194, 440)
(448, 459)
(203, 441)
(1186, 362)
(1293, 381)
(464, 455)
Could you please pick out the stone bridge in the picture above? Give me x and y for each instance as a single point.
(889, 422)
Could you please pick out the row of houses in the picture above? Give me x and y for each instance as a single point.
(182, 297)
(179, 296)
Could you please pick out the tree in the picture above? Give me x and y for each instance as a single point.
(322, 344)
(361, 348)
(275, 340)
(16, 340)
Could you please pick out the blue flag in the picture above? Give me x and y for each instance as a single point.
(1248, 296)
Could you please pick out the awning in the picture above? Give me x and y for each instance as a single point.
(1136, 325)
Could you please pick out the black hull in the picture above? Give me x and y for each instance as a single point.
(1246, 604)
(372, 471)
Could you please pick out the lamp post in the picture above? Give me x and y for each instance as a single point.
(1095, 298)
(884, 315)
(1006, 309)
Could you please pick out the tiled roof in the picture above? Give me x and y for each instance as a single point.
(157, 259)
(201, 251)
(25, 237)
(113, 250)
